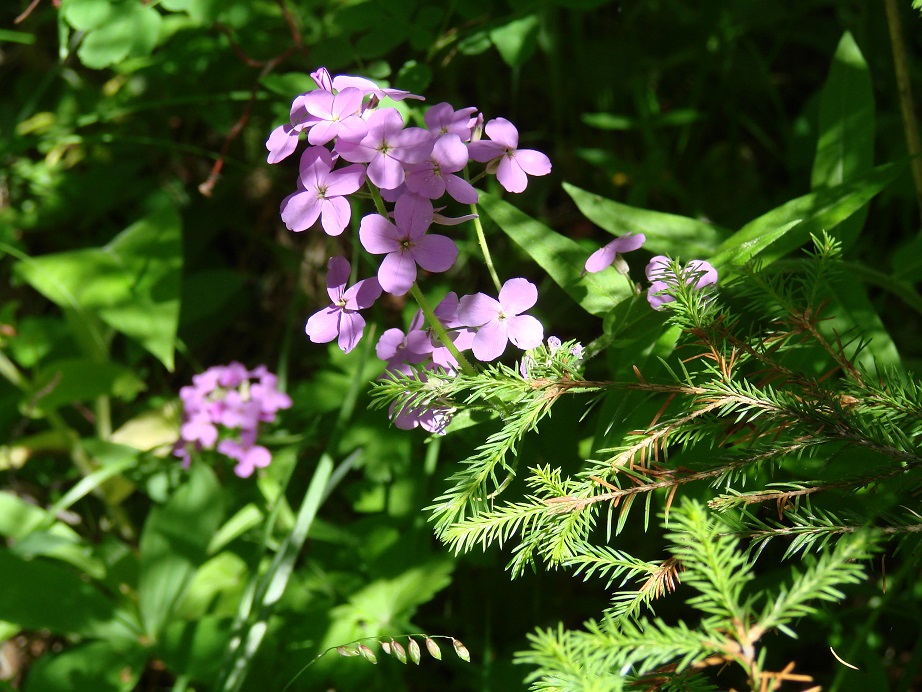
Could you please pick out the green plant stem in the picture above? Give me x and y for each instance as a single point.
(482, 239)
(904, 89)
(440, 331)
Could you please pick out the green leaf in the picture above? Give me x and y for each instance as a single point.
(667, 234)
(132, 284)
(85, 15)
(131, 30)
(96, 666)
(174, 542)
(560, 257)
(42, 595)
(516, 40)
(67, 381)
(785, 228)
(195, 648)
(845, 148)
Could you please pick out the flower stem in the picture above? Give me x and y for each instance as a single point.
(440, 331)
(482, 239)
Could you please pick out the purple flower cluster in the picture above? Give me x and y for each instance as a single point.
(410, 168)
(232, 400)
(353, 141)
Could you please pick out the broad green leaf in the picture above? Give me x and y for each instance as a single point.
(131, 30)
(132, 284)
(93, 666)
(174, 542)
(853, 314)
(75, 608)
(785, 228)
(81, 379)
(195, 648)
(516, 40)
(85, 15)
(559, 256)
(845, 148)
(667, 234)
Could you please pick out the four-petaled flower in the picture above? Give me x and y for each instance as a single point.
(320, 193)
(387, 148)
(511, 164)
(501, 321)
(609, 254)
(406, 244)
(341, 318)
(433, 177)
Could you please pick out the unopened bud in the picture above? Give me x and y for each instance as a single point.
(434, 649)
(621, 266)
(399, 651)
(386, 647)
(413, 650)
(461, 650)
(368, 654)
(347, 650)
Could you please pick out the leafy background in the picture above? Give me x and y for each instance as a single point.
(141, 242)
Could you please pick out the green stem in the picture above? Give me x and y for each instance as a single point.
(482, 239)
(440, 331)
(904, 89)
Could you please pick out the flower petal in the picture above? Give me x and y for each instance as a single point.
(510, 175)
(378, 235)
(490, 340)
(533, 162)
(525, 332)
(323, 326)
(517, 295)
(601, 258)
(350, 330)
(435, 253)
(300, 210)
(336, 215)
(478, 309)
(397, 273)
(502, 131)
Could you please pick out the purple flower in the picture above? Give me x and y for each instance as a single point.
(659, 272)
(608, 255)
(395, 347)
(511, 164)
(341, 318)
(320, 193)
(436, 175)
(387, 148)
(368, 87)
(283, 140)
(443, 119)
(225, 406)
(406, 244)
(337, 115)
(500, 321)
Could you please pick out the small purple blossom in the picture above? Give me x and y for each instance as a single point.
(369, 88)
(341, 318)
(443, 119)
(503, 157)
(501, 321)
(609, 254)
(225, 406)
(659, 273)
(321, 192)
(406, 244)
(336, 115)
(436, 175)
(387, 148)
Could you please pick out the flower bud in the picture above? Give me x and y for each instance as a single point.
(347, 650)
(433, 648)
(413, 650)
(368, 654)
(399, 652)
(386, 647)
(461, 650)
